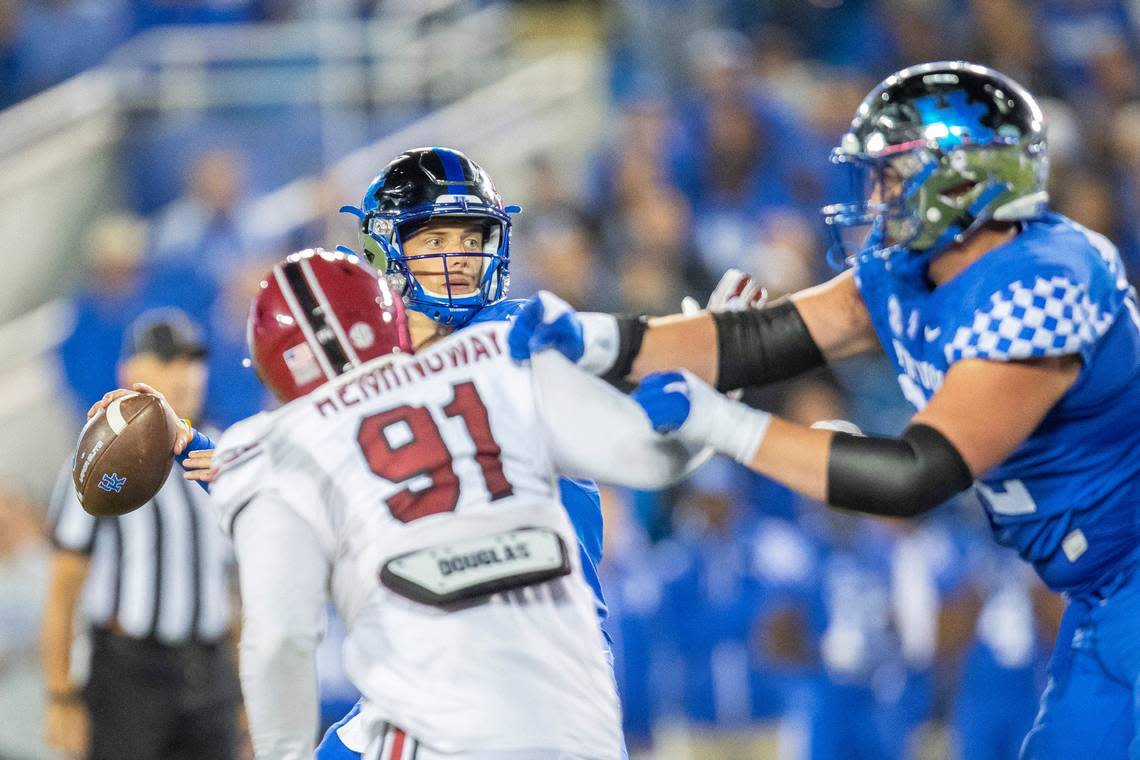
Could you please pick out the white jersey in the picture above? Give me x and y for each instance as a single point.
(407, 453)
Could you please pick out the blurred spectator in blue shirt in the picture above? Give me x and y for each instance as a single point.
(711, 601)
(647, 42)
(104, 305)
(1080, 37)
(38, 40)
(205, 226)
(862, 673)
(559, 253)
(9, 58)
(1004, 668)
(915, 31)
(633, 157)
(653, 241)
(1004, 34)
(1086, 196)
(234, 392)
(1124, 167)
(160, 12)
(120, 284)
(877, 616)
(739, 164)
(734, 616)
(634, 594)
(554, 245)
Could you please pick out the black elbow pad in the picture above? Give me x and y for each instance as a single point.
(893, 477)
(758, 346)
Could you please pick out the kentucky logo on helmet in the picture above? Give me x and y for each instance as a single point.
(934, 152)
(954, 118)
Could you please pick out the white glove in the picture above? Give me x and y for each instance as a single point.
(736, 291)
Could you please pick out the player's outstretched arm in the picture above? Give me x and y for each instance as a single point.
(595, 431)
(283, 574)
(729, 348)
(982, 413)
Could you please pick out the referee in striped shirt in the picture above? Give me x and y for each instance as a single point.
(155, 591)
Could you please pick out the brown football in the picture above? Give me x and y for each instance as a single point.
(123, 456)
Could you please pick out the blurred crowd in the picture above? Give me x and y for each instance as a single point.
(744, 621)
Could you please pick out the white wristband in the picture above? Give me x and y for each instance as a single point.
(729, 427)
(600, 338)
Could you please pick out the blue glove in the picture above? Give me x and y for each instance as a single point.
(546, 321)
(666, 399)
(682, 403)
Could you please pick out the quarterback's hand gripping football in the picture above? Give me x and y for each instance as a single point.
(680, 403)
(184, 433)
(547, 322)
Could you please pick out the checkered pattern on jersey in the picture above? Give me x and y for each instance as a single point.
(1053, 317)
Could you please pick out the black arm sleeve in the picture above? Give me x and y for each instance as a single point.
(760, 346)
(900, 477)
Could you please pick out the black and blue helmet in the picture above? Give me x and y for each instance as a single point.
(958, 144)
(422, 184)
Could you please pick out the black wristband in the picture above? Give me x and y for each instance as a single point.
(895, 477)
(758, 346)
(631, 331)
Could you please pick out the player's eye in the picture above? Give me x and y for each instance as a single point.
(472, 243)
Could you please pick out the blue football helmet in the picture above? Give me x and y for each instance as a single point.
(934, 152)
(416, 186)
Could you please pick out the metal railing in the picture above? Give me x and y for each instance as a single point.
(424, 57)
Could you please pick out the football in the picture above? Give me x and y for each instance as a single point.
(123, 456)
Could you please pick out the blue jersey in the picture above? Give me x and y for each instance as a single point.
(1068, 499)
(580, 498)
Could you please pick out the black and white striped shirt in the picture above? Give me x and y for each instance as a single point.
(161, 572)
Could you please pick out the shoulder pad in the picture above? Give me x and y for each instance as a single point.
(241, 442)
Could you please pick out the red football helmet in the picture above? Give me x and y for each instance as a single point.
(317, 316)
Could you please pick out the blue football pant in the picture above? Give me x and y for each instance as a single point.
(1091, 705)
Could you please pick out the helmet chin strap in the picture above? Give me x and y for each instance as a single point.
(975, 212)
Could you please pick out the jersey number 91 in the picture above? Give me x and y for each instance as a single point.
(421, 452)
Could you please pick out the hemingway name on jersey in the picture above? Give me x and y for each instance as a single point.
(465, 349)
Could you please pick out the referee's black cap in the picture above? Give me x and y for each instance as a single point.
(167, 333)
